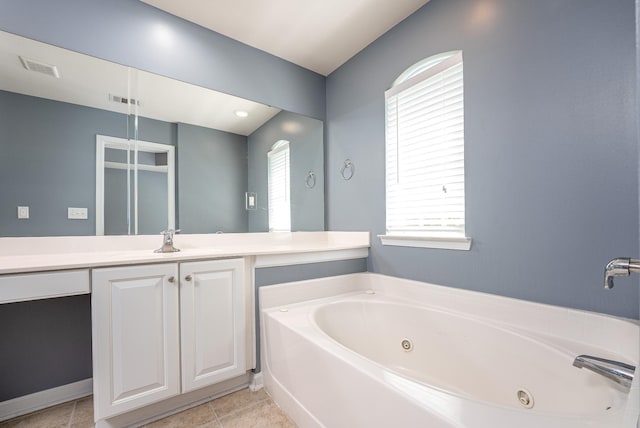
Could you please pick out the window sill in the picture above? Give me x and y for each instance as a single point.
(444, 243)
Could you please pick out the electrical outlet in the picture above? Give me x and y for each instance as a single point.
(77, 213)
(251, 200)
(23, 213)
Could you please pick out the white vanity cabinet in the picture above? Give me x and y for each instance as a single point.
(212, 322)
(136, 337)
(164, 329)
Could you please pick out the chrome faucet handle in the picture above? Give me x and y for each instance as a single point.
(170, 232)
(619, 267)
(167, 242)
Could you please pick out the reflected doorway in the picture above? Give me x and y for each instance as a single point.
(135, 190)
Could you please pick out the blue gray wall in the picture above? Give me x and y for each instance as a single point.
(45, 344)
(551, 156)
(306, 151)
(637, 105)
(48, 167)
(212, 180)
(48, 161)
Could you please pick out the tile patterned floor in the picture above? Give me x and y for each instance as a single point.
(242, 409)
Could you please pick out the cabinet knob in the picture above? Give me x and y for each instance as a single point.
(172, 279)
(188, 278)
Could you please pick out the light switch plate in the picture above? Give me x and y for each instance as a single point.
(23, 213)
(77, 213)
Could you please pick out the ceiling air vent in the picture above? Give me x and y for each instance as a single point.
(40, 67)
(123, 100)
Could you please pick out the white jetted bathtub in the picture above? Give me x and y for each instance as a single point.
(368, 350)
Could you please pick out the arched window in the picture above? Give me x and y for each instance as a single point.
(425, 196)
(279, 187)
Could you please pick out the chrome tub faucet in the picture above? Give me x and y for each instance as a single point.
(167, 242)
(620, 373)
(619, 267)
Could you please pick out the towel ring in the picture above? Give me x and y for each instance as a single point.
(310, 181)
(348, 169)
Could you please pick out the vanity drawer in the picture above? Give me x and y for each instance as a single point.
(44, 285)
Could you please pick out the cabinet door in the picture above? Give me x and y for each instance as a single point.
(135, 337)
(212, 319)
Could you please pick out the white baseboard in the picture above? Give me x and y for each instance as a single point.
(256, 383)
(50, 397)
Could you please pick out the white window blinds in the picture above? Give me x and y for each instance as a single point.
(279, 187)
(425, 150)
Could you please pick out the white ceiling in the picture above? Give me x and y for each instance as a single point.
(320, 35)
(89, 81)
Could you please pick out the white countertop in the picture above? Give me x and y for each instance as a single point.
(35, 254)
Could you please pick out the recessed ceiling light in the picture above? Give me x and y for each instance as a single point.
(241, 113)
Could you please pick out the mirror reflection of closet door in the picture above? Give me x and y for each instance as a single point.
(134, 187)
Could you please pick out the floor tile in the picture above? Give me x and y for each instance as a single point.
(242, 409)
(223, 406)
(54, 417)
(199, 416)
(83, 413)
(265, 414)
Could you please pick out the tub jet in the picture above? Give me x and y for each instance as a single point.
(525, 398)
(407, 345)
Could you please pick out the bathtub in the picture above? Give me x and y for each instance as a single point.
(367, 350)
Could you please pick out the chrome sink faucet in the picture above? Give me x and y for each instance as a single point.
(619, 267)
(167, 242)
(620, 373)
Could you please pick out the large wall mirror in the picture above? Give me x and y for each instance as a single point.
(93, 147)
